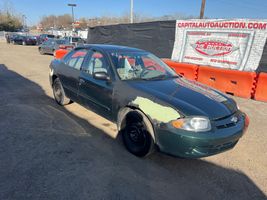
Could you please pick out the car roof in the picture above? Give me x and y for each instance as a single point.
(117, 48)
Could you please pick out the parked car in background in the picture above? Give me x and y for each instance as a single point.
(7, 36)
(43, 37)
(76, 41)
(11, 37)
(25, 40)
(150, 103)
(51, 45)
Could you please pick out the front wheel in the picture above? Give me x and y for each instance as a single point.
(59, 93)
(41, 51)
(136, 137)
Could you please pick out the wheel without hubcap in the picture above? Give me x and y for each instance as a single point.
(59, 93)
(41, 51)
(136, 137)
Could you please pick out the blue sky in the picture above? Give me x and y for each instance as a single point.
(35, 9)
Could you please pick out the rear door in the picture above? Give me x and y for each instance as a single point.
(69, 71)
(51, 47)
(94, 93)
(46, 45)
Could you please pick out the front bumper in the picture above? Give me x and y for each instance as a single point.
(189, 144)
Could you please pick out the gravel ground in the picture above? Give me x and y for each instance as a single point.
(52, 152)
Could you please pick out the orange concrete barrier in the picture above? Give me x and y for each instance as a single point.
(261, 88)
(189, 71)
(60, 53)
(237, 83)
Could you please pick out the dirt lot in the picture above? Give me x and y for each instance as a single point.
(53, 152)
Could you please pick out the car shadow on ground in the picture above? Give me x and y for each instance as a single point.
(47, 152)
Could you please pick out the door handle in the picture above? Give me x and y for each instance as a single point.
(81, 81)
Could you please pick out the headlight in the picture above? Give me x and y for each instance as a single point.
(197, 124)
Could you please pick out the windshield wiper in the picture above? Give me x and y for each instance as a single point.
(176, 76)
(162, 76)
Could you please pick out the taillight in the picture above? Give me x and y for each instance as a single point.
(62, 46)
(65, 47)
(69, 47)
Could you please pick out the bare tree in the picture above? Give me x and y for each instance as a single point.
(56, 22)
(9, 19)
(65, 21)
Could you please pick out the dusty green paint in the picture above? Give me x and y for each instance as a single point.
(156, 111)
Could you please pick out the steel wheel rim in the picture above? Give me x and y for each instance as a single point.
(58, 92)
(136, 135)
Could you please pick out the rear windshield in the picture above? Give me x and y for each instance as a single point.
(76, 39)
(50, 36)
(60, 41)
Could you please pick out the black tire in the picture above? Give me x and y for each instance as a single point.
(59, 93)
(41, 51)
(136, 137)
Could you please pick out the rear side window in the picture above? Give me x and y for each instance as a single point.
(75, 59)
(50, 36)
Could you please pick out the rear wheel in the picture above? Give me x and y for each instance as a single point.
(136, 136)
(59, 93)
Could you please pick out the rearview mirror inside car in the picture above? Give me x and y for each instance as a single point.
(101, 76)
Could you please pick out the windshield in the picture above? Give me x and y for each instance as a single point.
(140, 65)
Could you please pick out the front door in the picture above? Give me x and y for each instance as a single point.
(94, 93)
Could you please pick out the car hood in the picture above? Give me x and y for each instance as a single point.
(190, 98)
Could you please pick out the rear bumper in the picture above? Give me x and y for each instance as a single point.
(188, 144)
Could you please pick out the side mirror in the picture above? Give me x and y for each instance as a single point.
(101, 76)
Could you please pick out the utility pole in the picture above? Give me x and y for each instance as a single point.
(203, 4)
(72, 12)
(24, 24)
(131, 17)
